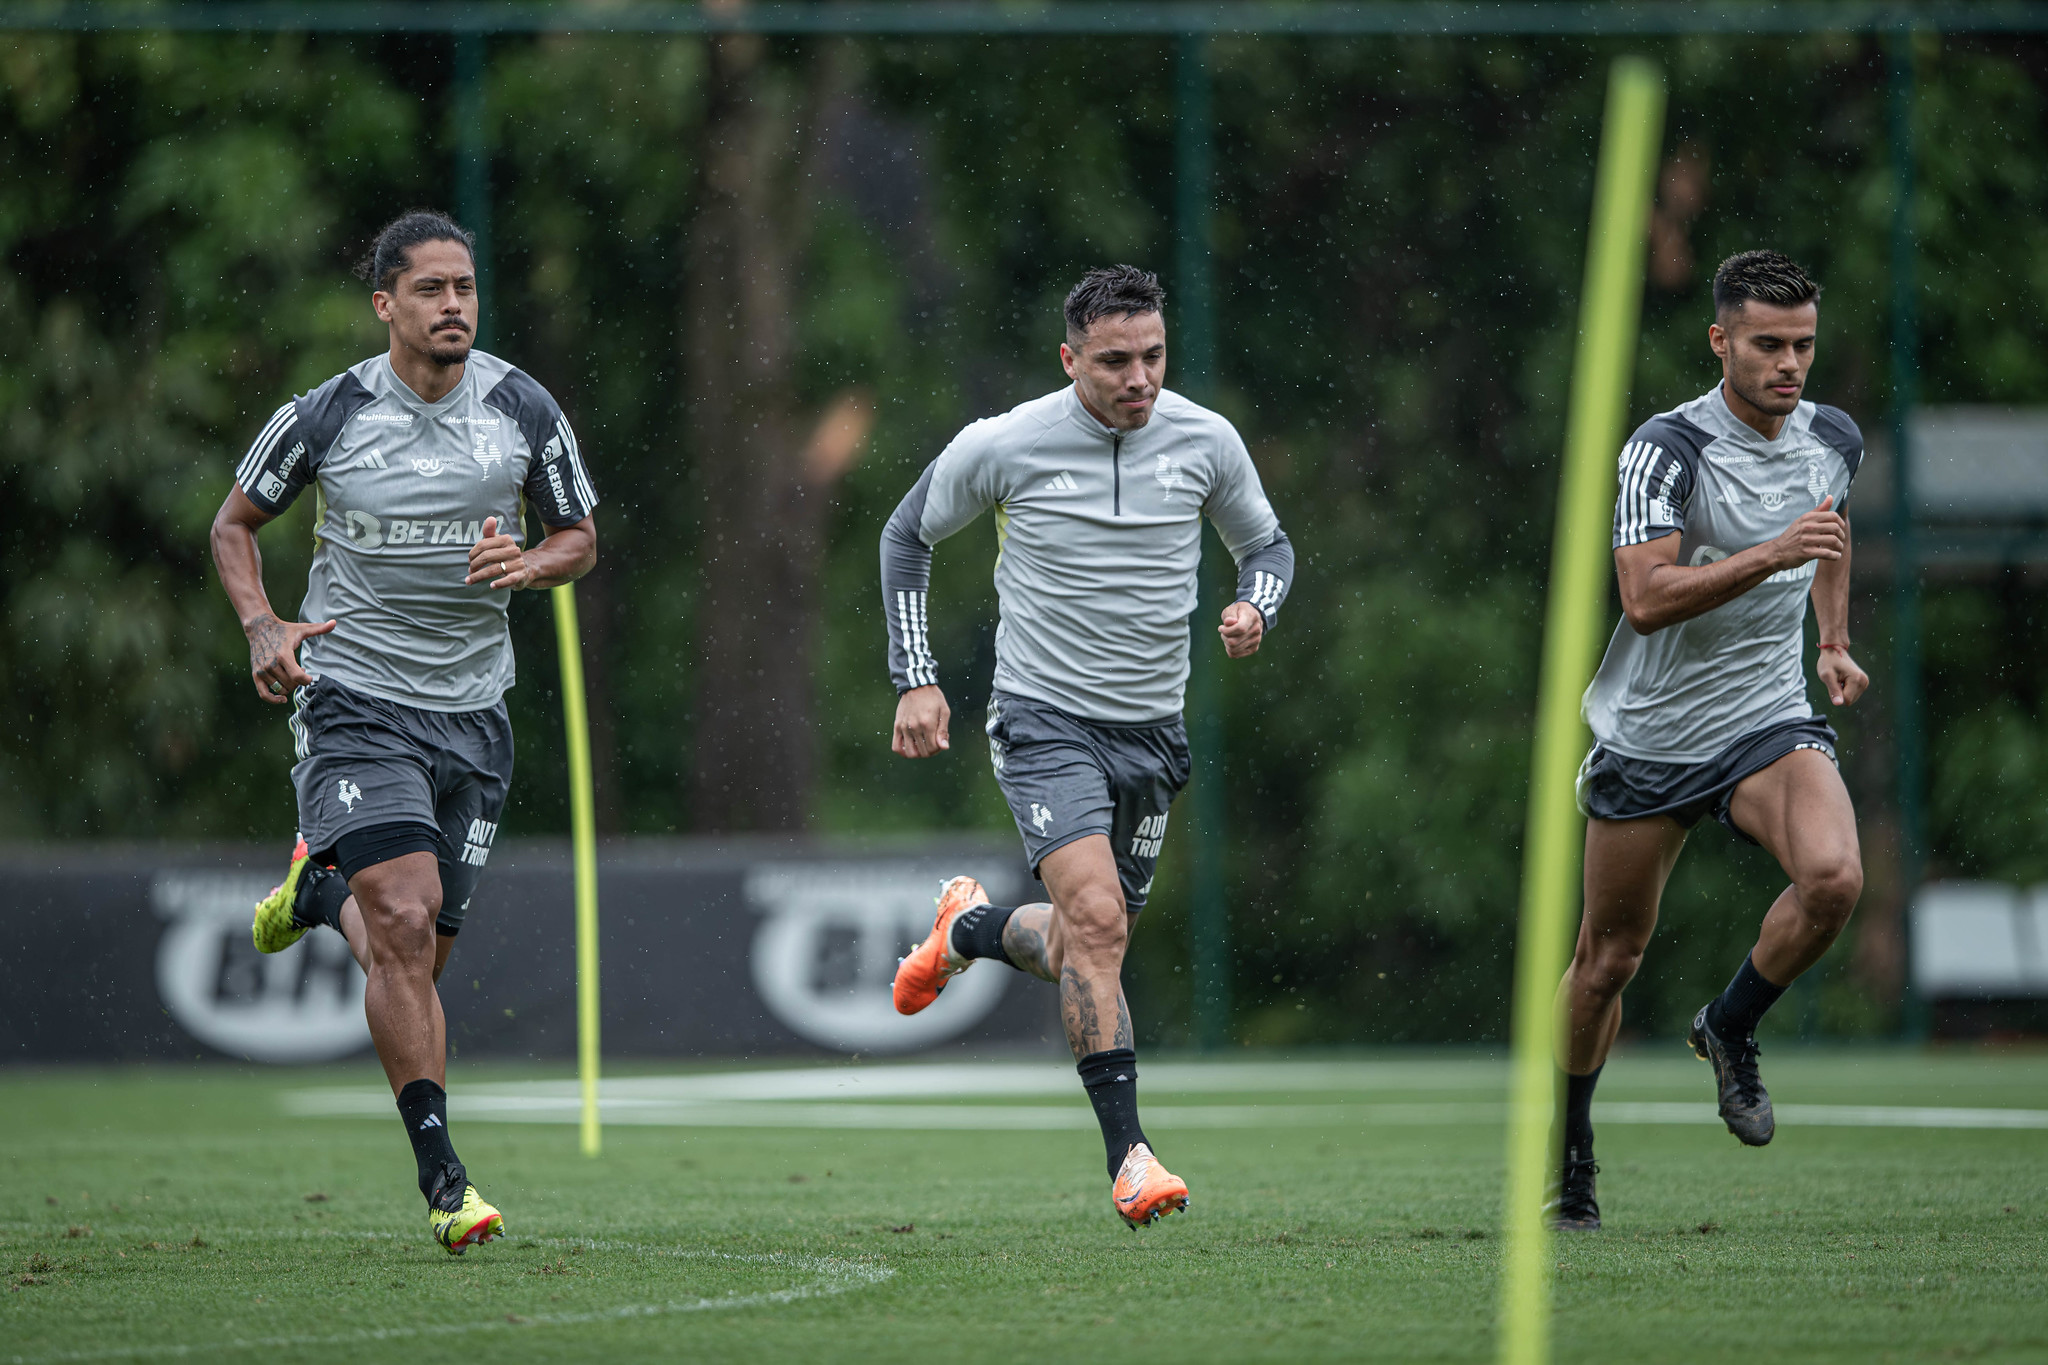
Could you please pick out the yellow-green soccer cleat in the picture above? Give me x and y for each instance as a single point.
(462, 1228)
(275, 930)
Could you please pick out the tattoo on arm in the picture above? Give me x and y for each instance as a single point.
(266, 640)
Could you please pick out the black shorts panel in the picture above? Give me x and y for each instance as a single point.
(1616, 787)
(1066, 778)
(366, 762)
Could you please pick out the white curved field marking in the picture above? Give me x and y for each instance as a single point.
(834, 1276)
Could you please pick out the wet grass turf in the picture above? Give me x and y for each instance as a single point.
(178, 1212)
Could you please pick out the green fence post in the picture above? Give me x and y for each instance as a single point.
(473, 163)
(1907, 703)
(1191, 371)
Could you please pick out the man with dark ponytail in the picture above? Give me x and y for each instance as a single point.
(426, 458)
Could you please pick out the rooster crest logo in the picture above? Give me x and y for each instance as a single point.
(1040, 816)
(348, 793)
(1169, 476)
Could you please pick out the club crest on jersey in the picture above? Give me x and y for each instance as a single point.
(483, 441)
(1169, 475)
(1816, 480)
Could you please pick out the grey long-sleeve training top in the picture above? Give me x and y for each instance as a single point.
(1099, 537)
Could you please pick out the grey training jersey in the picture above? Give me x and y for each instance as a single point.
(406, 486)
(1098, 537)
(1686, 692)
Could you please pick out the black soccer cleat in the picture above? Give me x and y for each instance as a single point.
(1573, 1207)
(1745, 1104)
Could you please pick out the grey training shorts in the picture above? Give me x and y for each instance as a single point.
(1616, 787)
(1066, 778)
(365, 761)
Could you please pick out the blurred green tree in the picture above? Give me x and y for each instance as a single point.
(1399, 231)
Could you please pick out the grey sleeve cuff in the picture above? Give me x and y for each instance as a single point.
(906, 583)
(1265, 575)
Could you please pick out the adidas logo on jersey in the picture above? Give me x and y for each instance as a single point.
(374, 460)
(1063, 484)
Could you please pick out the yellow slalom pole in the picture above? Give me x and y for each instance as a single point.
(583, 839)
(1609, 312)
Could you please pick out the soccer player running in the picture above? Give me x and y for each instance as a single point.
(1099, 490)
(425, 458)
(1731, 516)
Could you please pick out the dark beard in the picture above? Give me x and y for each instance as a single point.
(1763, 399)
(446, 350)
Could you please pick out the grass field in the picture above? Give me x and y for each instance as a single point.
(1344, 1209)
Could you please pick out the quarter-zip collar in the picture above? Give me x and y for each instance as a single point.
(1077, 412)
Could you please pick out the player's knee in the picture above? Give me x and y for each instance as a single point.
(403, 922)
(1610, 964)
(1830, 892)
(1095, 923)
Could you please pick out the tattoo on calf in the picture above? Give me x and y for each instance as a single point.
(1124, 1036)
(1078, 1012)
(1026, 947)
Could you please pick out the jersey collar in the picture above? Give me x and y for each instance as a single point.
(402, 391)
(1729, 427)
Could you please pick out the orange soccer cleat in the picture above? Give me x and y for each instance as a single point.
(921, 976)
(1146, 1191)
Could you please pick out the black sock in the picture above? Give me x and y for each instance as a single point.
(424, 1107)
(978, 932)
(1578, 1114)
(1112, 1081)
(321, 893)
(1737, 1011)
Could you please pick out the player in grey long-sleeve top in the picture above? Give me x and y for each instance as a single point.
(1099, 491)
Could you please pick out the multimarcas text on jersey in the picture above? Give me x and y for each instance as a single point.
(1099, 539)
(1685, 693)
(406, 486)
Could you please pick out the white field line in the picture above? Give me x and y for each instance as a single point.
(841, 1097)
(954, 1080)
(834, 1276)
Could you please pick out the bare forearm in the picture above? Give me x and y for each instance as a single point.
(1666, 594)
(1831, 599)
(240, 565)
(565, 556)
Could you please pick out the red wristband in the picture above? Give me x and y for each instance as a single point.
(1843, 647)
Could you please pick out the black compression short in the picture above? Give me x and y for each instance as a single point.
(366, 847)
